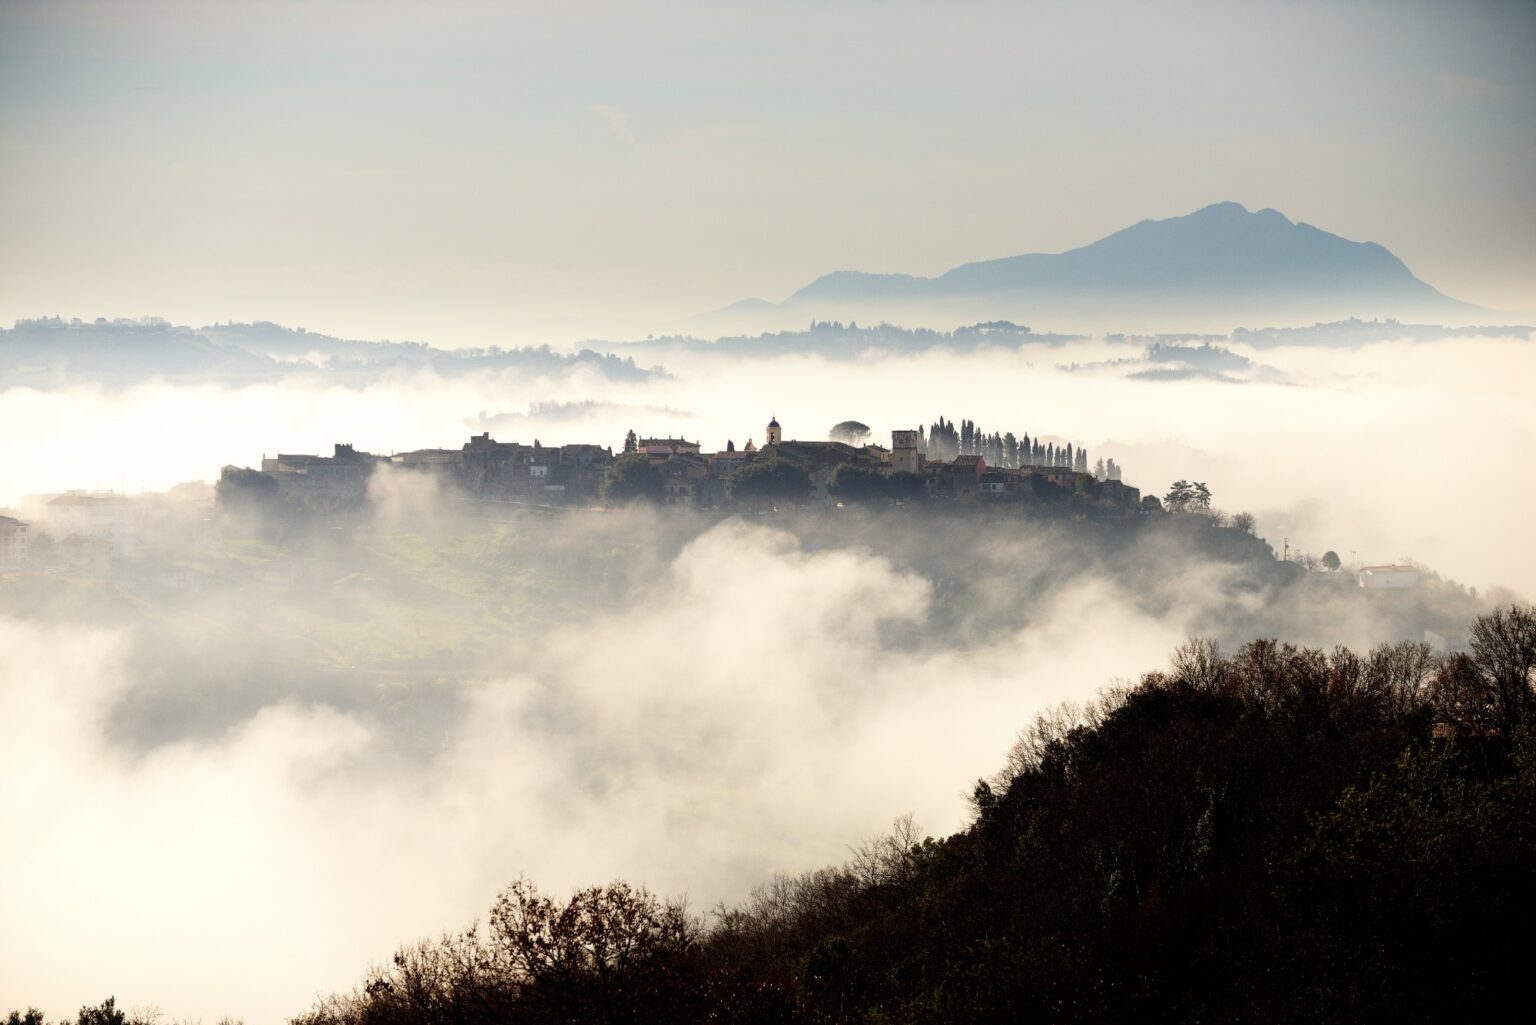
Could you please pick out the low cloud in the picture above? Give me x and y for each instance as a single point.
(754, 711)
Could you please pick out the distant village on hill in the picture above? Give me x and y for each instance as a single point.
(945, 466)
(85, 533)
(942, 463)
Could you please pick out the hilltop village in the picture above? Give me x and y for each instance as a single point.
(88, 533)
(945, 467)
(940, 464)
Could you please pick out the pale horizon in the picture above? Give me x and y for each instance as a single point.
(484, 175)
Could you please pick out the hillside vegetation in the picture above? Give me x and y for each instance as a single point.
(1279, 835)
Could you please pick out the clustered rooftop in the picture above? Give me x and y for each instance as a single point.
(941, 464)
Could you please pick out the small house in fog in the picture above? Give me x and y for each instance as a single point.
(682, 476)
(723, 464)
(13, 543)
(959, 478)
(1119, 495)
(1061, 476)
(1387, 578)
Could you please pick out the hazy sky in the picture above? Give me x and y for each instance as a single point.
(476, 173)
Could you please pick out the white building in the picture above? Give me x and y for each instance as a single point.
(667, 447)
(1386, 578)
(112, 518)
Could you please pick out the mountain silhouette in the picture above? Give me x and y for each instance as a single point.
(1221, 260)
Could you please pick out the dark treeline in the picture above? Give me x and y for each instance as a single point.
(105, 1013)
(1278, 835)
(944, 442)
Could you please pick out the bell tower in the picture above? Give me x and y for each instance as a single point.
(775, 432)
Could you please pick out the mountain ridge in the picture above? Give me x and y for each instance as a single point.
(1222, 259)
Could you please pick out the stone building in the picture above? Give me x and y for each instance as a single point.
(336, 481)
(1118, 495)
(723, 464)
(682, 478)
(1388, 578)
(514, 472)
(906, 456)
(958, 479)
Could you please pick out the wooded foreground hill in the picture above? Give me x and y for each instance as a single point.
(1279, 835)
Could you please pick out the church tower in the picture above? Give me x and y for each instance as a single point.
(775, 432)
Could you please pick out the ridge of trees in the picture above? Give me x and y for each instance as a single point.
(105, 1013)
(768, 482)
(942, 440)
(631, 478)
(1278, 834)
(854, 483)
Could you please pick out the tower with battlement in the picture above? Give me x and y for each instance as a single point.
(905, 458)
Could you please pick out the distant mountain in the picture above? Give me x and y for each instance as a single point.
(1222, 261)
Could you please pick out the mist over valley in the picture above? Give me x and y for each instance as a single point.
(577, 691)
(747, 514)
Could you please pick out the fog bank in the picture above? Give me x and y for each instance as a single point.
(1390, 451)
(749, 715)
(370, 730)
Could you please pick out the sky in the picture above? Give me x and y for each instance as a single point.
(492, 173)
